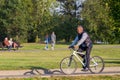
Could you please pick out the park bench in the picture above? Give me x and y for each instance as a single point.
(4, 47)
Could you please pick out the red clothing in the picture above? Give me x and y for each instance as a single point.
(6, 42)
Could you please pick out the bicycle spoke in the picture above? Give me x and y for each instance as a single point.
(68, 66)
(96, 64)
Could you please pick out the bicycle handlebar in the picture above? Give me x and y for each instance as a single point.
(72, 47)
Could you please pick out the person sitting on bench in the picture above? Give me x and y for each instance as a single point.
(12, 43)
(7, 44)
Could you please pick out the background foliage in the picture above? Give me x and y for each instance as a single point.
(28, 20)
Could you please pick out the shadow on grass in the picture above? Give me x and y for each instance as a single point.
(112, 61)
(40, 70)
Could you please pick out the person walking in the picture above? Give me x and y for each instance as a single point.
(47, 40)
(53, 40)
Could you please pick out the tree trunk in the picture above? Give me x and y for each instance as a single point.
(67, 39)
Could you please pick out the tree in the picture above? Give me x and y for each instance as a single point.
(97, 20)
(115, 13)
(23, 19)
(41, 18)
(69, 20)
(12, 19)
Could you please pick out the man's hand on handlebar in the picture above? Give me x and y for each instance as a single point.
(76, 47)
(71, 47)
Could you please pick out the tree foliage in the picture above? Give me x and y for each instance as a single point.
(69, 20)
(28, 20)
(98, 21)
(23, 19)
(115, 13)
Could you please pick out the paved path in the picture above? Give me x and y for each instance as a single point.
(52, 72)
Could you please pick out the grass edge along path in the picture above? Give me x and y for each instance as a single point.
(96, 77)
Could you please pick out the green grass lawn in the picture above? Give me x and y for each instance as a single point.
(33, 55)
(115, 77)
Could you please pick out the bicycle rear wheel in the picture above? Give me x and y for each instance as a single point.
(96, 64)
(68, 65)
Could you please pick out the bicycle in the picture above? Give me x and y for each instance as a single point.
(68, 65)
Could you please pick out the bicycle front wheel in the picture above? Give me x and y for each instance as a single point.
(68, 65)
(96, 64)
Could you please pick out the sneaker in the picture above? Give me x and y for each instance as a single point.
(86, 69)
(52, 48)
(46, 48)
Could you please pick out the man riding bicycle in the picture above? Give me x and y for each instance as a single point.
(83, 43)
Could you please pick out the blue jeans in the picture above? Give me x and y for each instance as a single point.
(47, 43)
(9, 47)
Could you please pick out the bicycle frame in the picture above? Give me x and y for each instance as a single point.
(75, 53)
(95, 64)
